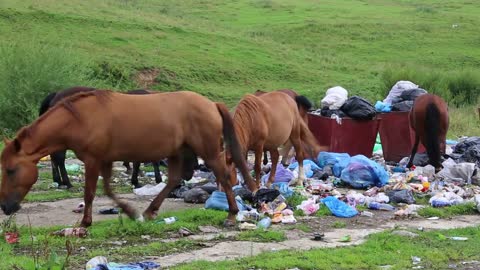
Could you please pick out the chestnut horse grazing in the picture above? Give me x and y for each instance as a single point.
(429, 118)
(57, 158)
(304, 105)
(102, 126)
(266, 122)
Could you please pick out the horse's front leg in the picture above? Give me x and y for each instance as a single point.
(275, 156)
(91, 177)
(258, 164)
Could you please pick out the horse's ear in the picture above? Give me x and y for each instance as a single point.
(17, 145)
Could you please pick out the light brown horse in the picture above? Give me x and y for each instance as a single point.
(304, 105)
(102, 126)
(266, 122)
(429, 118)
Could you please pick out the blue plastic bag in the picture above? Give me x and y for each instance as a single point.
(339, 208)
(281, 175)
(329, 158)
(309, 167)
(218, 201)
(339, 166)
(383, 107)
(362, 172)
(130, 266)
(284, 189)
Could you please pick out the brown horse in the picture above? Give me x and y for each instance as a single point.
(102, 126)
(266, 122)
(57, 158)
(304, 105)
(429, 118)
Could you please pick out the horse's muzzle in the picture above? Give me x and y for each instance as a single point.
(10, 207)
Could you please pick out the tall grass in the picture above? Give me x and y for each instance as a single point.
(29, 71)
(457, 87)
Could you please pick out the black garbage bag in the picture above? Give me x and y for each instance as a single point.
(401, 196)
(243, 193)
(196, 195)
(471, 155)
(420, 159)
(462, 146)
(265, 195)
(403, 106)
(328, 113)
(209, 187)
(359, 108)
(412, 94)
(178, 192)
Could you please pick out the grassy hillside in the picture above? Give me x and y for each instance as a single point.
(224, 49)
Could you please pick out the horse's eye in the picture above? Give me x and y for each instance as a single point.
(11, 172)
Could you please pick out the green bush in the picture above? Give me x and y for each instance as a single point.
(458, 88)
(29, 71)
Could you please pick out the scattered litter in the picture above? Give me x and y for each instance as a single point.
(339, 208)
(309, 207)
(433, 218)
(184, 232)
(168, 220)
(75, 232)
(318, 236)
(109, 211)
(457, 238)
(380, 206)
(405, 233)
(366, 214)
(264, 223)
(416, 260)
(149, 190)
(92, 263)
(247, 226)
(79, 208)
(346, 238)
(11, 237)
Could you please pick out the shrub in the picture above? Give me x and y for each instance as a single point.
(29, 71)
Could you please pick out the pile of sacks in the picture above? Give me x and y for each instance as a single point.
(400, 98)
(336, 104)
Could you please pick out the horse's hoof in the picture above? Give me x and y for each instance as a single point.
(228, 223)
(85, 224)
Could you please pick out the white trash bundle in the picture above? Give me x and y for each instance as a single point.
(335, 98)
(397, 90)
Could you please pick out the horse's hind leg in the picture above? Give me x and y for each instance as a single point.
(222, 176)
(127, 166)
(136, 169)
(414, 151)
(63, 171)
(275, 156)
(174, 177)
(158, 174)
(106, 171)
(91, 178)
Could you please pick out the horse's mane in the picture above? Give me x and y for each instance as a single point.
(244, 117)
(66, 103)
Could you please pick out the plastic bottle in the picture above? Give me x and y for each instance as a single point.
(380, 206)
(264, 223)
(168, 220)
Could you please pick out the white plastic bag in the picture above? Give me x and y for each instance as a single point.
(335, 98)
(149, 190)
(397, 90)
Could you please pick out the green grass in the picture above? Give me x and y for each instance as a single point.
(104, 232)
(226, 49)
(379, 250)
(261, 235)
(339, 224)
(468, 208)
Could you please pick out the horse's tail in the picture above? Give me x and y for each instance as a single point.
(45, 105)
(230, 138)
(303, 102)
(432, 128)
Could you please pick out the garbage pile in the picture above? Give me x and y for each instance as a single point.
(336, 104)
(400, 98)
(371, 184)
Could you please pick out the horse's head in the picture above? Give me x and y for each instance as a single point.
(19, 173)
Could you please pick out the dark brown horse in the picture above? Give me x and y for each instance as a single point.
(266, 122)
(59, 172)
(100, 128)
(429, 118)
(304, 105)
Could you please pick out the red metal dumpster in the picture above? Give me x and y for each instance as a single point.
(397, 137)
(352, 136)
